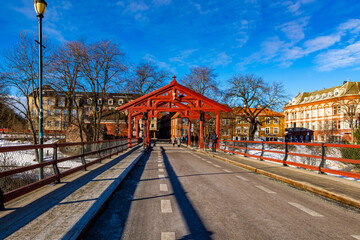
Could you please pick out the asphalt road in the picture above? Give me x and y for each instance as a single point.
(176, 193)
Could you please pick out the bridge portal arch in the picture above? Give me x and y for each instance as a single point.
(173, 97)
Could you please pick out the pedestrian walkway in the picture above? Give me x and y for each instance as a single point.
(339, 189)
(64, 211)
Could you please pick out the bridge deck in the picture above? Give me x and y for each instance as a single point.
(342, 190)
(64, 210)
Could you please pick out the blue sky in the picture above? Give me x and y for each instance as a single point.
(305, 44)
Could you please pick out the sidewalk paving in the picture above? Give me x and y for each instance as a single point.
(342, 190)
(64, 210)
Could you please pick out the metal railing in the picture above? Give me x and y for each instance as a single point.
(336, 159)
(67, 158)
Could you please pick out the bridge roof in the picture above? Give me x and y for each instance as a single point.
(173, 97)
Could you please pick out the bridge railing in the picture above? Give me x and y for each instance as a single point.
(60, 160)
(336, 159)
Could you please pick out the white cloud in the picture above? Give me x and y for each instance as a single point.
(339, 58)
(322, 42)
(161, 2)
(221, 59)
(352, 25)
(294, 30)
(182, 56)
(136, 7)
(161, 64)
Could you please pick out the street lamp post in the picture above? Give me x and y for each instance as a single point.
(40, 6)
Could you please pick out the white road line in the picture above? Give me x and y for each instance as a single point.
(163, 187)
(161, 170)
(265, 189)
(226, 170)
(161, 176)
(308, 211)
(208, 162)
(216, 165)
(167, 236)
(356, 237)
(160, 165)
(242, 178)
(166, 206)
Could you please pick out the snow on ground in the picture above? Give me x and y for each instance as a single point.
(335, 165)
(27, 157)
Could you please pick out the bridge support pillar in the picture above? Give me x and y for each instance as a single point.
(189, 132)
(201, 144)
(129, 129)
(137, 130)
(217, 129)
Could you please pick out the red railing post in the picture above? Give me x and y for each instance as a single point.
(322, 163)
(246, 148)
(55, 166)
(262, 150)
(285, 153)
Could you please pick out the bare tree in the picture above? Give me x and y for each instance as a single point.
(21, 75)
(102, 65)
(350, 109)
(64, 71)
(146, 77)
(251, 95)
(202, 80)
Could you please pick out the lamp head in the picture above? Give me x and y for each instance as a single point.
(40, 6)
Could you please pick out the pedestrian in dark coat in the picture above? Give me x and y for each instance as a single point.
(214, 140)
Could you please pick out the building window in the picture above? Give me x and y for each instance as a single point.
(33, 112)
(152, 125)
(321, 112)
(334, 110)
(313, 126)
(48, 123)
(246, 130)
(225, 121)
(314, 113)
(73, 112)
(276, 130)
(65, 112)
(246, 120)
(57, 124)
(320, 125)
(110, 102)
(57, 112)
(339, 109)
(121, 102)
(339, 124)
(100, 102)
(267, 130)
(308, 125)
(307, 114)
(267, 120)
(238, 130)
(226, 132)
(302, 114)
(50, 102)
(61, 103)
(88, 101)
(238, 120)
(33, 101)
(276, 120)
(49, 112)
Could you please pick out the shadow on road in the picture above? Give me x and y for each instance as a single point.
(195, 225)
(110, 224)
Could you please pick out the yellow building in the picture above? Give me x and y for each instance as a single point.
(271, 126)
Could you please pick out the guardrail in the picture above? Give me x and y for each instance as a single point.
(337, 159)
(21, 180)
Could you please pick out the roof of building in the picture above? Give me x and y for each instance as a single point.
(265, 112)
(347, 89)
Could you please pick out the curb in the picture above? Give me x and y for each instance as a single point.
(104, 203)
(305, 186)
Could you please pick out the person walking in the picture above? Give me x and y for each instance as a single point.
(214, 140)
(173, 139)
(178, 141)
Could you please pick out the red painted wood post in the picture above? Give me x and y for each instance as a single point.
(137, 130)
(189, 132)
(129, 129)
(201, 144)
(218, 130)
